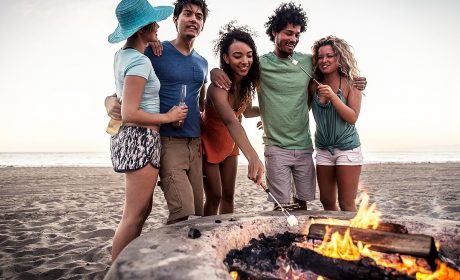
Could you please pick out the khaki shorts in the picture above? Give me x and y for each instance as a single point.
(182, 176)
(285, 168)
(340, 157)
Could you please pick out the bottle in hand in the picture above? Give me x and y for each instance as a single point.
(114, 126)
(182, 96)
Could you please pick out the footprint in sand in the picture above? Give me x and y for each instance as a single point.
(97, 233)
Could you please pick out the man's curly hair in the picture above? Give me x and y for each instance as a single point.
(286, 13)
(228, 34)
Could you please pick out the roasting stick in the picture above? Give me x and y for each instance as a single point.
(295, 62)
(291, 219)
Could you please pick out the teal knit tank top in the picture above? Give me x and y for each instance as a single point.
(331, 130)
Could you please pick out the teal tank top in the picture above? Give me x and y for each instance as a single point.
(331, 130)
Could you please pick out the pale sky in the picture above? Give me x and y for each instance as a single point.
(56, 68)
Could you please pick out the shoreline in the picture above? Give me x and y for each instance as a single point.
(102, 159)
(240, 165)
(57, 222)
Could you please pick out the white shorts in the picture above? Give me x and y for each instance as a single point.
(347, 157)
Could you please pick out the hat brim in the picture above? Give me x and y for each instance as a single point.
(156, 14)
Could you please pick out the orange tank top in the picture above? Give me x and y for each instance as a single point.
(217, 142)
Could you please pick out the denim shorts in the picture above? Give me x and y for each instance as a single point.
(133, 147)
(340, 157)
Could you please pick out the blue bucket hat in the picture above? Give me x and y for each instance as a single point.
(132, 15)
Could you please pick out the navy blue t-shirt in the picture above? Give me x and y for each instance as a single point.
(174, 69)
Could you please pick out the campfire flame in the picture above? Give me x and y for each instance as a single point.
(343, 247)
(337, 246)
(442, 272)
(340, 247)
(367, 216)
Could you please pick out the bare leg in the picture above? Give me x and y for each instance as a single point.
(327, 186)
(149, 209)
(138, 202)
(347, 182)
(212, 188)
(228, 170)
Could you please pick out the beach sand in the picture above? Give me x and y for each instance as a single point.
(58, 222)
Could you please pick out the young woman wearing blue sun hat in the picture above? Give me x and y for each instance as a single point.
(135, 148)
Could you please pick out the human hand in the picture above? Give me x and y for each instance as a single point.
(220, 79)
(156, 46)
(256, 170)
(177, 113)
(113, 107)
(326, 92)
(360, 83)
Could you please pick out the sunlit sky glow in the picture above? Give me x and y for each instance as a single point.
(56, 68)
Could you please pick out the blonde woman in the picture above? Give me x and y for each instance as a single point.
(136, 147)
(336, 104)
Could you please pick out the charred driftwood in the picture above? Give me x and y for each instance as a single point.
(383, 226)
(417, 245)
(365, 268)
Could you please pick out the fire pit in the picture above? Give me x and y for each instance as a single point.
(196, 249)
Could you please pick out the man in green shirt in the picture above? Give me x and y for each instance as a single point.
(284, 111)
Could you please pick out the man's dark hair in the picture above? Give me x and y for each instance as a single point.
(180, 4)
(286, 13)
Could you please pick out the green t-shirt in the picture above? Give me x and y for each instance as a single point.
(283, 101)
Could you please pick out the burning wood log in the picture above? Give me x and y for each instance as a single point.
(383, 226)
(417, 245)
(342, 269)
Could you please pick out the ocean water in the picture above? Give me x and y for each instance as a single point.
(103, 159)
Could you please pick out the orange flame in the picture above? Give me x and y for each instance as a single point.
(343, 247)
(442, 272)
(367, 216)
(340, 247)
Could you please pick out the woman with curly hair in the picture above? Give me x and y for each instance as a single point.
(336, 104)
(222, 133)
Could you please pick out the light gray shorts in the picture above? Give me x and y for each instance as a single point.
(340, 157)
(285, 167)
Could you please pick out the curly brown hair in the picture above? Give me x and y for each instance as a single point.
(286, 13)
(228, 34)
(348, 66)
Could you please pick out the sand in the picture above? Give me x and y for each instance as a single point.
(58, 222)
